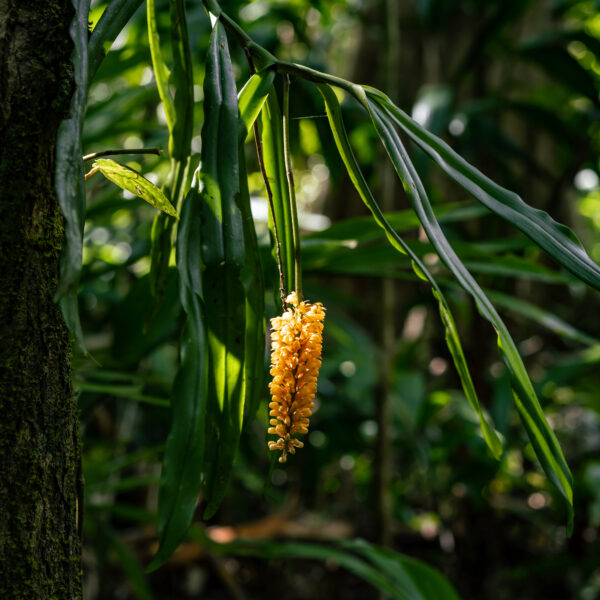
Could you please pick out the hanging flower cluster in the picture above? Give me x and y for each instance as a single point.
(296, 344)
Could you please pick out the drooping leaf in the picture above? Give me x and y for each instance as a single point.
(418, 579)
(542, 438)
(133, 182)
(396, 575)
(185, 449)
(452, 338)
(251, 99)
(224, 260)
(272, 145)
(556, 239)
(70, 187)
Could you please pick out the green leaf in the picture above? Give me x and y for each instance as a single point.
(111, 23)
(70, 187)
(161, 71)
(160, 254)
(418, 579)
(182, 80)
(396, 575)
(252, 97)
(178, 185)
(556, 239)
(272, 145)
(185, 452)
(452, 339)
(254, 287)
(542, 438)
(132, 181)
(223, 254)
(180, 120)
(185, 449)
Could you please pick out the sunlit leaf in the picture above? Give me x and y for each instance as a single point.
(133, 182)
(252, 97)
(223, 254)
(272, 145)
(541, 436)
(558, 240)
(452, 338)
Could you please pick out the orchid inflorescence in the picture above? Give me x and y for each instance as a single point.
(296, 344)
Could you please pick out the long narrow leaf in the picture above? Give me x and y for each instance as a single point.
(250, 101)
(541, 436)
(254, 287)
(161, 71)
(183, 83)
(223, 257)
(272, 144)
(558, 240)
(419, 579)
(186, 445)
(180, 121)
(70, 187)
(185, 449)
(397, 575)
(452, 338)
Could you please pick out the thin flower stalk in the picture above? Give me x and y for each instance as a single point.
(296, 345)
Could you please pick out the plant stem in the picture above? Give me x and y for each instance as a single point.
(292, 193)
(95, 155)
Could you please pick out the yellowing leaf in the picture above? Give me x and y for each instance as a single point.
(132, 181)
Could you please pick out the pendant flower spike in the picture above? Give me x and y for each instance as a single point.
(296, 344)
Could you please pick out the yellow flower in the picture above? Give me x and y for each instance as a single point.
(296, 344)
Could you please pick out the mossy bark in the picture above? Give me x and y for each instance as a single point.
(40, 459)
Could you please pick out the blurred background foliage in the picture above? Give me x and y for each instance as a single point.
(513, 86)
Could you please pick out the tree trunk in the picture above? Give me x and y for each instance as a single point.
(40, 548)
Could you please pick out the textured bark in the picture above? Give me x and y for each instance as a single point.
(39, 441)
